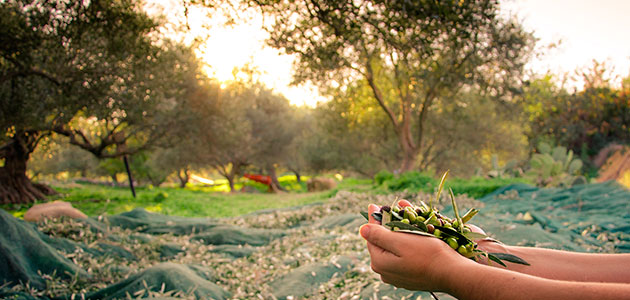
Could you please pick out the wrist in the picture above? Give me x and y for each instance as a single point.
(452, 271)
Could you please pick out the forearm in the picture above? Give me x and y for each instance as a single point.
(475, 281)
(571, 266)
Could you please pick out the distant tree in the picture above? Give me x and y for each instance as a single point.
(584, 121)
(352, 133)
(54, 156)
(273, 125)
(302, 126)
(222, 132)
(413, 55)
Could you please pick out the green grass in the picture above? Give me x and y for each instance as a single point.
(215, 201)
(192, 201)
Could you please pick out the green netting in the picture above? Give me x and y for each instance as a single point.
(306, 279)
(581, 218)
(232, 235)
(190, 280)
(143, 221)
(23, 253)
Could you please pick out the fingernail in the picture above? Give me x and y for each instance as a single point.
(364, 231)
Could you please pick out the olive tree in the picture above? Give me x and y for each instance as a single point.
(412, 55)
(95, 72)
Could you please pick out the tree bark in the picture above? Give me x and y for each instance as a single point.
(184, 177)
(275, 184)
(15, 186)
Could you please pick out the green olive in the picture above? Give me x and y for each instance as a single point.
(406, 221)
(453, 243)
(462, 250)
(437, 232)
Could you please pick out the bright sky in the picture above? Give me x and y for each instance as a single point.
(588, 29)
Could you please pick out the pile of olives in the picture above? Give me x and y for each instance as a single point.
(427, 221)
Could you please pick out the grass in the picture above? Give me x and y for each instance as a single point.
(192, 201)
(216, 202)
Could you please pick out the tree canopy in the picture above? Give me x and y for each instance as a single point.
(95, 72)
(412, 54)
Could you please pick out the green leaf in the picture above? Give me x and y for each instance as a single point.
(387, 218)
(365, 215)
(377, 216)
(475, 235)
(416, 232)
(460, 226)
(439, 192)
(405, 226)
(509, 258)
(469, 214)
(495, 259)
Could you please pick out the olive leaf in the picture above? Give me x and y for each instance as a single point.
(376, 215)
(406, 226)
(495, 259)
(475, 236)
(509, 258)
(469, 214)
(441, 186)
(460, 223)
(416, 232)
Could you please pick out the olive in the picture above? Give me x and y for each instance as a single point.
(462, 250)
(430, 228)
(453, 243)
(437, 232)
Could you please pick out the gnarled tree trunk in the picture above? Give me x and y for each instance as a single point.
(275, 186)
(15, 186)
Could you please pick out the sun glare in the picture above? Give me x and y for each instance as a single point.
(227, 48)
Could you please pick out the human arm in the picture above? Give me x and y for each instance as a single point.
(423, 263)
(566, 265)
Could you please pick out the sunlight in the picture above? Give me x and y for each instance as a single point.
(200, 179)
(227, 48)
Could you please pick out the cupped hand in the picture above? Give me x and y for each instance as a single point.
(410, 261)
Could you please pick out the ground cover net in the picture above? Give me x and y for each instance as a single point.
(309, 252)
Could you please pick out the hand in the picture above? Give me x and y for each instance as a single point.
(410, 261)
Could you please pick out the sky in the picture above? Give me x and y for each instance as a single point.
(584, 30)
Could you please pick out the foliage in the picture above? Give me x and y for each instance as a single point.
(584, 121)
(410, 55)
(382, 176)
(85, 71)
(554, 167)
(475, 187)
(350, 133)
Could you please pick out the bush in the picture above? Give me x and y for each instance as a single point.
(475, 187)
(383, 176)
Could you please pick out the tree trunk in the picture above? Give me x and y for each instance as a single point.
(15, 186)
(409, 152)
(184, 177)
(298, 177)
(275, 184)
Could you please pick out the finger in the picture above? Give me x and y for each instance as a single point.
(382, 260)
(475, 228)
(404, 203)
(372, 209)
(382, 238)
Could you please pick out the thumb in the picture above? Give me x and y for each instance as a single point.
(382, 237)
